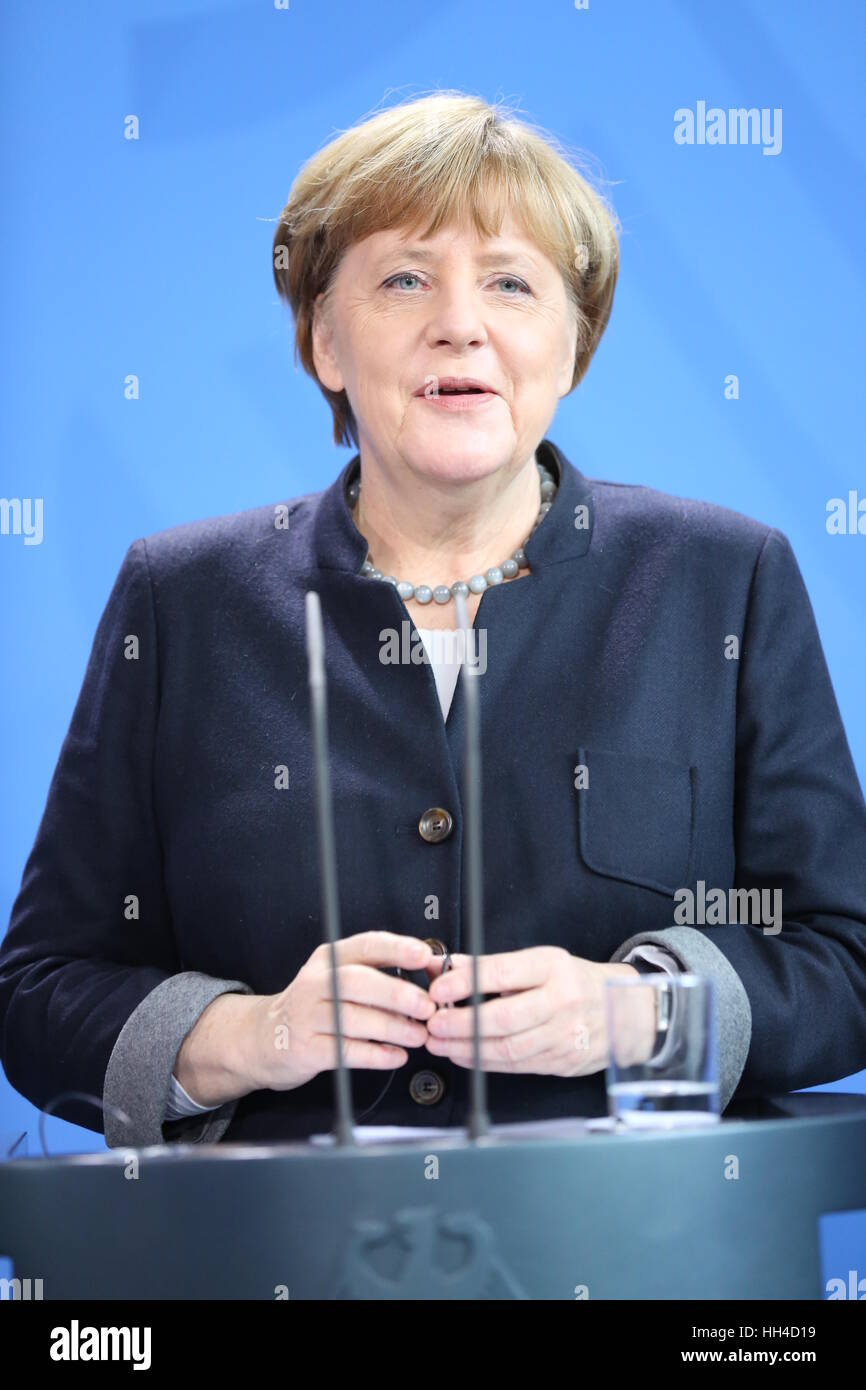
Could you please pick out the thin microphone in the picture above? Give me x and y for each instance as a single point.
(479, 1121)
(343, 1127)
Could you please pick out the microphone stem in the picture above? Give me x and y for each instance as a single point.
(479, 1122)
(344, 1129)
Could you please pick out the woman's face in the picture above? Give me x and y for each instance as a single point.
(403, 314)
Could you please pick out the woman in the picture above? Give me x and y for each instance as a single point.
(656, 709)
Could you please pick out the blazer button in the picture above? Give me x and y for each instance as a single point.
(426, 1087)
(435, 825)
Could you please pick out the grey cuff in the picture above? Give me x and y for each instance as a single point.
(141, 1063)
(697, 955)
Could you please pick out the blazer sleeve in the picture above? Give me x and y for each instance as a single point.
(800, 827)
(89, 968)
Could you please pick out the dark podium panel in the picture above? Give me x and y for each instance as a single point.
(630, 1216)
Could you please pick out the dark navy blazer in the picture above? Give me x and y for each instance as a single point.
(614, 654)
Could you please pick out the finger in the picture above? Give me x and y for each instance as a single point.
(509, 970)
(380, 948)
(359, 1053)
(362, 984)
(516, 1047)
(497, 1018)
(372, 1025)
(434, 967)
(519, 1052)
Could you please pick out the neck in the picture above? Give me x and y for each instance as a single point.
(433, 531)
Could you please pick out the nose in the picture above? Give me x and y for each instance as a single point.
(456, 318)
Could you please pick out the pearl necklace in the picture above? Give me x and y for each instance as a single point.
(443, 593)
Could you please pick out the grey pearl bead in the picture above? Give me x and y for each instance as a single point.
(478, 584)
(423, 593)
(353, 491)
(548, 490)
(442, 594)
(493, 575)
(509, 568)
(460, 587)
(520, 556)
(376, 574)
(367, 567)
(388, 579)
(405, 589)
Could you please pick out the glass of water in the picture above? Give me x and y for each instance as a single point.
(663, 1067)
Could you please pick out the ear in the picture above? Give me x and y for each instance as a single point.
(566, 371)
(324, 355)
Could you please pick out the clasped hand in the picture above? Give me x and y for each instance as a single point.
(547, 1016)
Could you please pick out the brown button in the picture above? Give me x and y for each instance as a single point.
(436, 946)
(435, 825)
(426, 1087)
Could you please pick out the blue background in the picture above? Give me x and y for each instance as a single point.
(153, 257)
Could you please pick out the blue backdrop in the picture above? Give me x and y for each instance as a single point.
(152, 257)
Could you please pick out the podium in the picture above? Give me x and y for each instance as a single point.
(725, 1211)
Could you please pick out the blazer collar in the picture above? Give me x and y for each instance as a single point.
(565, 533)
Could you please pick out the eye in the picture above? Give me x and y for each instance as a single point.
(519, 286)
(512, 280)
(404, 275)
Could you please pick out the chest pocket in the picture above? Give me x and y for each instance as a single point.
(636, 818)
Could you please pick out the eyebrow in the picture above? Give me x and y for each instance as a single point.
(422, 253)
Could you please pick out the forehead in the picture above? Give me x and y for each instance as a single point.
(462, 241)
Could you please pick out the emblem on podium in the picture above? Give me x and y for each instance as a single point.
(421, 1254)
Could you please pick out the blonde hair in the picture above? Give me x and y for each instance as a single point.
(433, 162)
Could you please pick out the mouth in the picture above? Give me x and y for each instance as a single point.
(454, 386)
(456, 394)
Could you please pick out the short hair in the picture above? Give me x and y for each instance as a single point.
(429, 163)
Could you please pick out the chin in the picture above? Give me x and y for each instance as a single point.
(459, 450)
